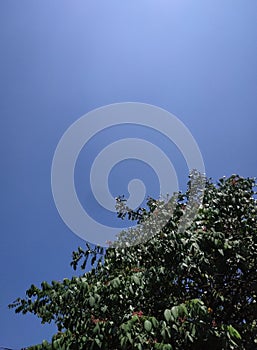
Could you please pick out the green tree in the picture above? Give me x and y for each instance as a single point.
(194, 288)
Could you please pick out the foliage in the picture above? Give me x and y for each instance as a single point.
(183, 289)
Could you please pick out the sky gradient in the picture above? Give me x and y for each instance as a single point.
(61, 59)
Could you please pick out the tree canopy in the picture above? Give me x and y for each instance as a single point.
(191, 288)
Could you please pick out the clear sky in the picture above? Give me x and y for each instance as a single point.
(60, 59)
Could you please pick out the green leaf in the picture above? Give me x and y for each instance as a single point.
(131, 289)
(193, 330)
(136, 280)
(221, 252)
(104, 308)
(233, 332)
(98, 342)
(154, 322)
(129, 338)
(148, 325)
(174, 311)
(91, 301)
(188, 335)
(167, 347)
(167, 315)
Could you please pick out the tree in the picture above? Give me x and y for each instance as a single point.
(184, 289)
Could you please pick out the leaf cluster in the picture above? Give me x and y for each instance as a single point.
(194, 288)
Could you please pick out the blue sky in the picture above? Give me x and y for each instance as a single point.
(60, 59)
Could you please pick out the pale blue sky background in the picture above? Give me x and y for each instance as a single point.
(60, 59)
